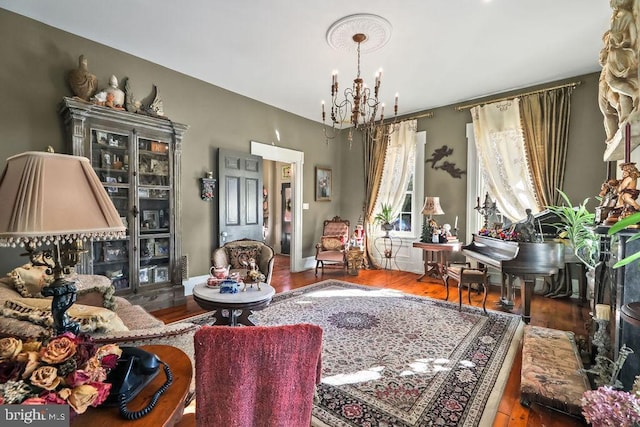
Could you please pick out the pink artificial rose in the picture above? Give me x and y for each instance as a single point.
(77, 378)
(110, 361)
(94, 370)
(52, 398)
(103, 392)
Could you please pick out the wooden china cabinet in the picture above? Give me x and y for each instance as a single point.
(137, 158)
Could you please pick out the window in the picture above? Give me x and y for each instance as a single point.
(405, 219)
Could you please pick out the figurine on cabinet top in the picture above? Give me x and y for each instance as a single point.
(83, 84)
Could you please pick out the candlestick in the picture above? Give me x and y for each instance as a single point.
(627, 143)
(455, 224)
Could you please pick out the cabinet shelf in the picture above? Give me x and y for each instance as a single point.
(137, 158)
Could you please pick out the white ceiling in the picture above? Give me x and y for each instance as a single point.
(441, 52)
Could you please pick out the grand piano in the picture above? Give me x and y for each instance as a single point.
(522, 260)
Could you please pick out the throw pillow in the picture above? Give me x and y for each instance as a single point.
(331, 243)
(239, 256)
(30, 279)
(38, 311)
(95, 290)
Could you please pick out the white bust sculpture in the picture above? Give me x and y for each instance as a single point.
(118, 95)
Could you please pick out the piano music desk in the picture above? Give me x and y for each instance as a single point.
(435, 257)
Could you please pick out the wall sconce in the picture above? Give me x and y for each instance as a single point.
(207, 186)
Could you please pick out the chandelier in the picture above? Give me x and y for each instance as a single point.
(359, 106)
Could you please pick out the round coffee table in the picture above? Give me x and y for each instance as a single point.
(239, 306)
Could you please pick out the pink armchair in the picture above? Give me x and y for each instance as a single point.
(256, 376)
(332, 248)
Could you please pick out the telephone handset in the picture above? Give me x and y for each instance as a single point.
(136, 368)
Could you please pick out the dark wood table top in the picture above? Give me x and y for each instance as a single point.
(169, 409)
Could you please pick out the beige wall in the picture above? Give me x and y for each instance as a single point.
(36, 59)
(585, 168)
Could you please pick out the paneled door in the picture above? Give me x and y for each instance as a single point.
(240, 202)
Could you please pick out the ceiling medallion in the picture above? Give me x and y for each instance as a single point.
(376, 29)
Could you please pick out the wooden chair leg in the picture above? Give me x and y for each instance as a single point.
(445, 278)
(460, 294)
(484, 299)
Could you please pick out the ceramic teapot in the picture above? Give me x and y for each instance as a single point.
(219, 272)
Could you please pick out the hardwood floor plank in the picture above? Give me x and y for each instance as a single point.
(563, 313)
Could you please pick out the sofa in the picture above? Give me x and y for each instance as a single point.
(24, 312)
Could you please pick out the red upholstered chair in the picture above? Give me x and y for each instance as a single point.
(257, 375)
(333, 245)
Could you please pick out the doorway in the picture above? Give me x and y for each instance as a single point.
(285, 214)
(296, 160)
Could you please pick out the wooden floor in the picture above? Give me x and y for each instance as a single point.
(565, 314)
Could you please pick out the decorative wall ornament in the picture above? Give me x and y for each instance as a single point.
(438, 155)
(207, 187)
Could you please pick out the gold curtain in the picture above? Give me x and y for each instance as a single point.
(545, 120)
(375, 148)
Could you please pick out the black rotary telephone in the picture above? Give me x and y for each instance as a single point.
(136, 368)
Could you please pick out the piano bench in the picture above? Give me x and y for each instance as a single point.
(467, 276)
(552, 372)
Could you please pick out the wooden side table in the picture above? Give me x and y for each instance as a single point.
(435, 257)
(238, 305)
(169, 409)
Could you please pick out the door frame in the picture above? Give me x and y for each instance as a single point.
(296, 159)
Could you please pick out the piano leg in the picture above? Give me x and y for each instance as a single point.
(526, 293)
(506, 291)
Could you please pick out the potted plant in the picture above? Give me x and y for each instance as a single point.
(385, 217)
(577, 226)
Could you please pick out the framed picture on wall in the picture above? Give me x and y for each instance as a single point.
(323, 184)
(286, 172)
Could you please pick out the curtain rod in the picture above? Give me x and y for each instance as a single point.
(467, 106)
(429, 115)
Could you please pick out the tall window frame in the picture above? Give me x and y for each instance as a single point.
(415, 191)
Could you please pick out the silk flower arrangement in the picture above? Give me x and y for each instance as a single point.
(66, 369)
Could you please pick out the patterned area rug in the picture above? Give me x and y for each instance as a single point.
(393, 359)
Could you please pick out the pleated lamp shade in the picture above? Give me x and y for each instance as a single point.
(48, 197)
(432, 206)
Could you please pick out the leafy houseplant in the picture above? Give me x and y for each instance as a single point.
(385, 217)
(576, 226)
(621, 225)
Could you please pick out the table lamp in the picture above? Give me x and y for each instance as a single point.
(432, 206)
(55, 201)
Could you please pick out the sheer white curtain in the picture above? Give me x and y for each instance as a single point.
(399, 166)
(503, 159)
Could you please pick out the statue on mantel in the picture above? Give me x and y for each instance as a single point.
(627, 194)
(618, 87)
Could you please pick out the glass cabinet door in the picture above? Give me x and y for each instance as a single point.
(154, 205)
(110, 159)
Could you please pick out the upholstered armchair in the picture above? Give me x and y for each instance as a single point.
(333, 245)
(238, 252)
(257, 376)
